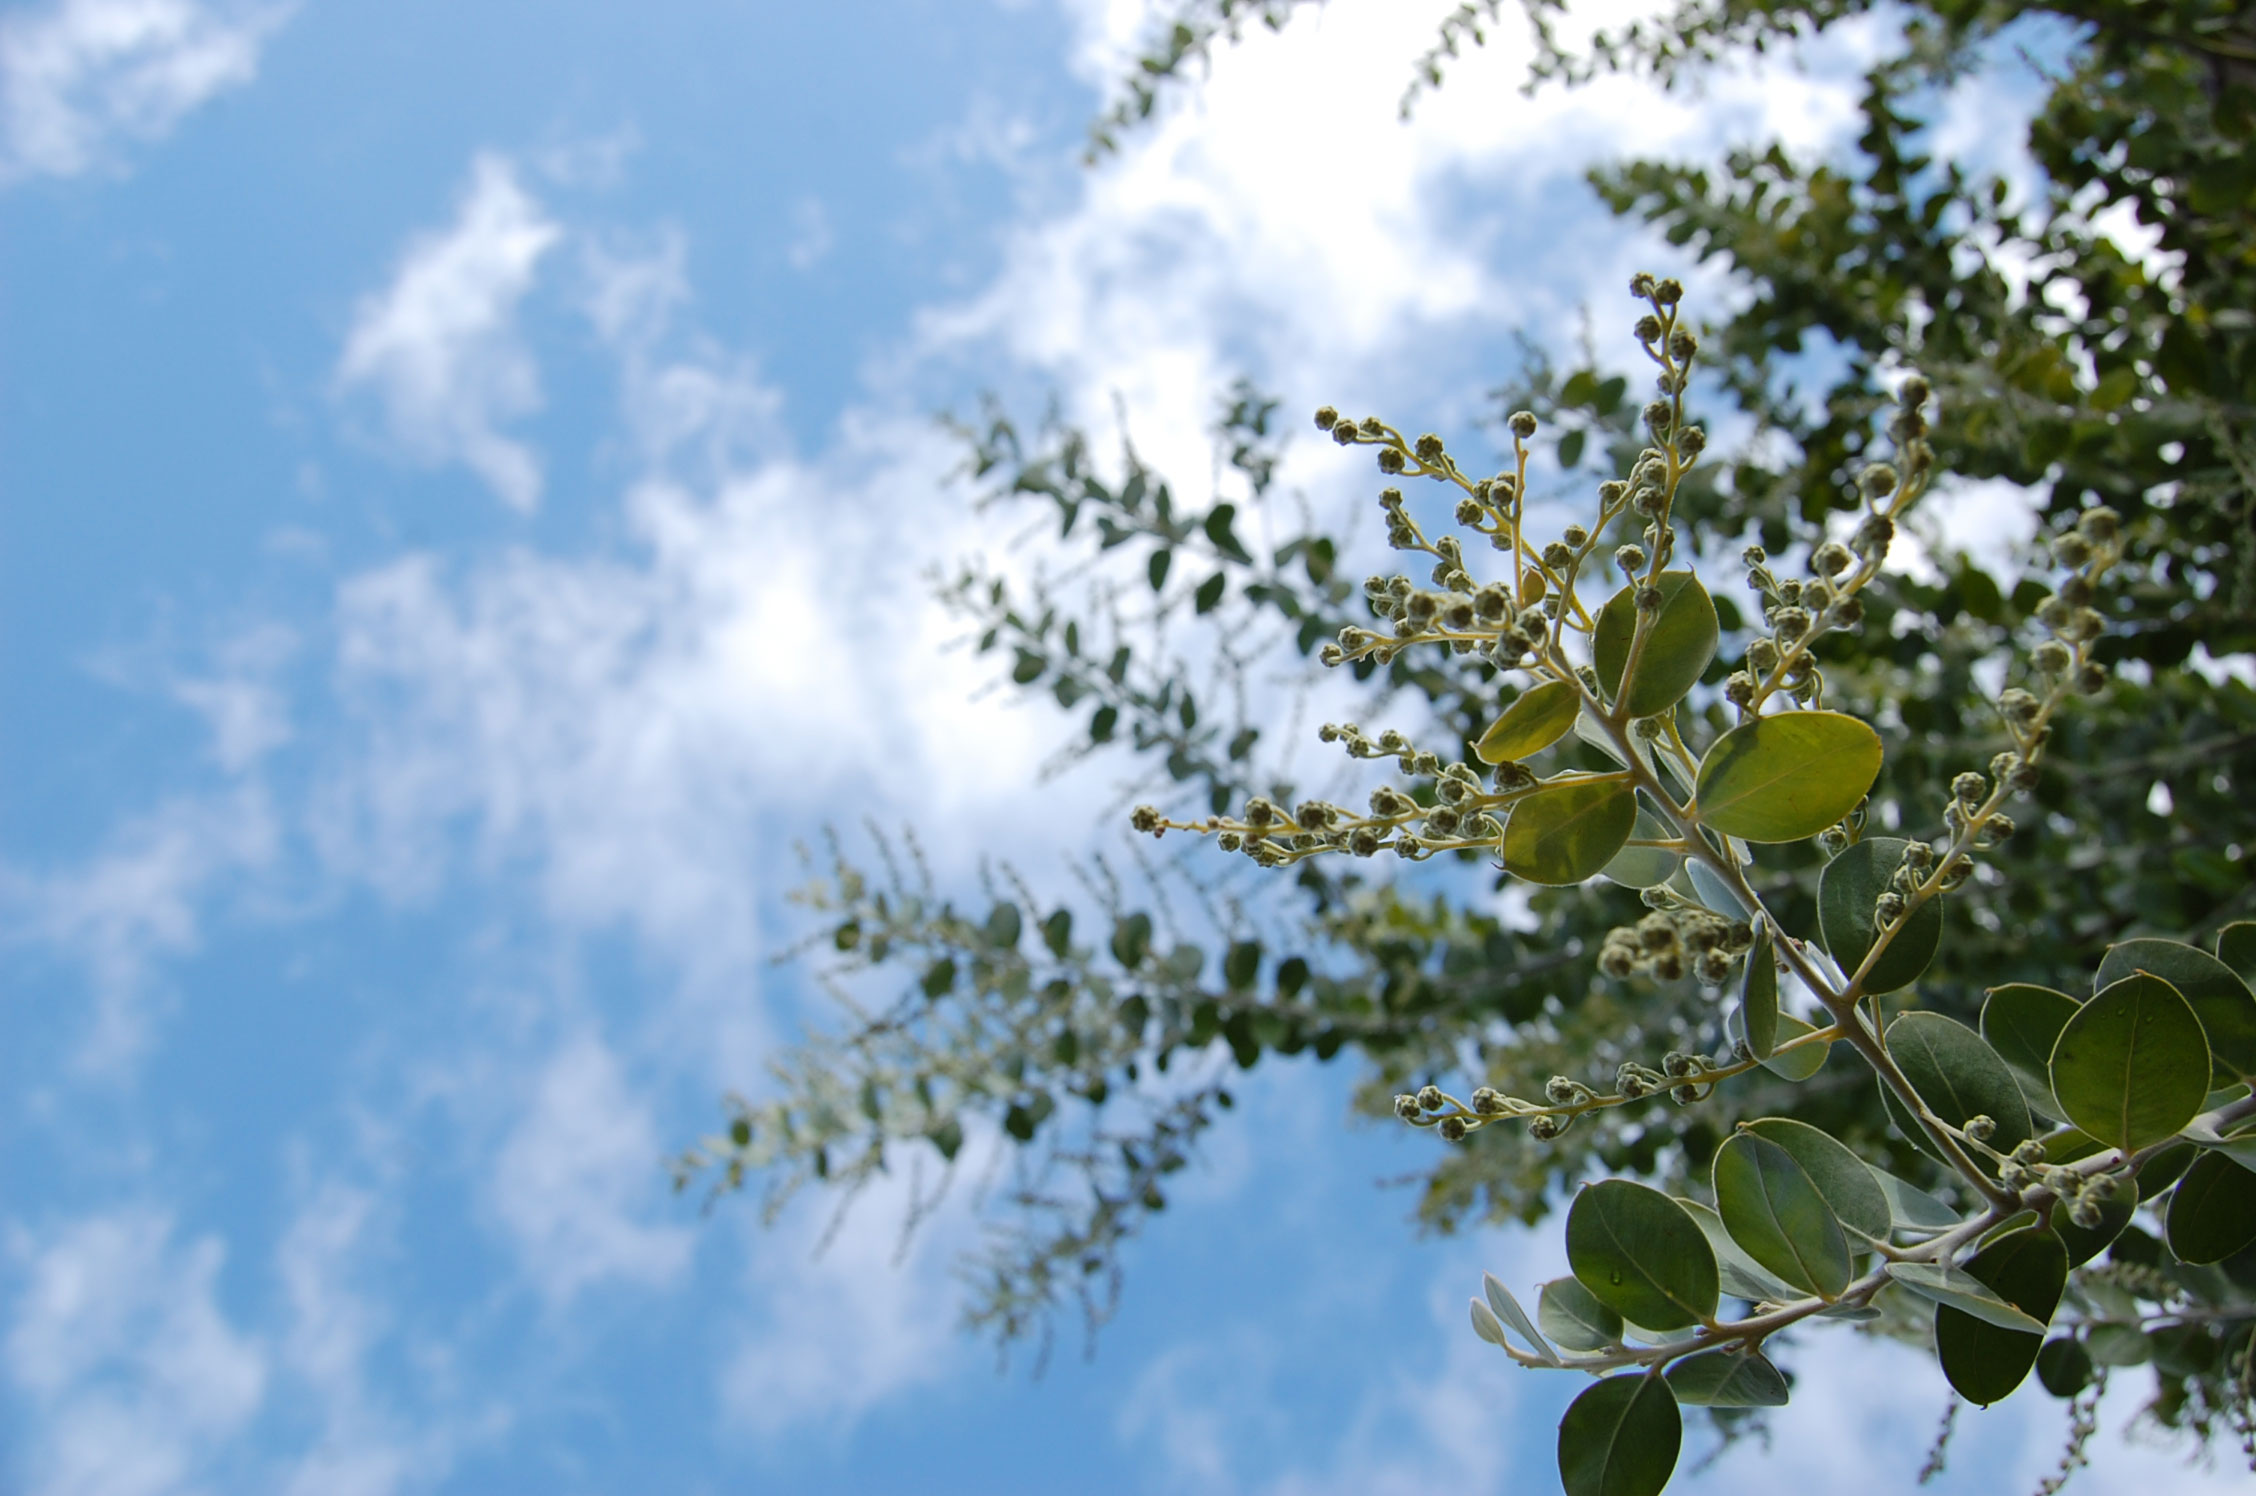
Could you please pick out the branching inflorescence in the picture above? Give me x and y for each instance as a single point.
(1668, 773)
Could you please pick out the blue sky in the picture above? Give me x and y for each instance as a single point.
(467, 474)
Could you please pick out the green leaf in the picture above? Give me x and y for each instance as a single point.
(1642, 1255)
(2132, 1066)
(1845, 894)
(1487, 1326)
(1570, 447)
(1781, 778)
(1791, 1064)
(1574, 1317)
(1845, 1180)
(1537, 718)
(1957, 1075)
(1727, 1379)
(1911, 1208)
(1242, 964)
(2022, 1023)
(1209, 594)
(1773, 1209)
(1960, 1290)
(1567, 829)
(1620, 1438)
(1984, 1361)
(1057, 932)
(1131, 940)
(939, 978)
(1507, 1309)
(1004, 925)
(1758, 996)
(2064, 1366)
(2213, 1210)
(1740, 1275)
(1156, 568)
(1218, 520)
(2116, 1345)
(2218, 998)
(1643, 867)
(2236, 947)
(1678, 644)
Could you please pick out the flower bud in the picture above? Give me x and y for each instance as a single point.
(1523, 424)
(1326, 418)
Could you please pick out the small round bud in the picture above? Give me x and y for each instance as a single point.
(1390, 461)
(1145, 818)
(2100, 526)
(1657, 418)
(1557, 556)
(1326, 418)
(1429, 448)
(1406, 1107)
(1641, 285)
(1981, 1129)
(1523, 424)
(1682, 345)
(1914, 392)
(2092, 679)
(1691, 441)
(1648, 599)
(1668, 292)
(1488, 1101)
(1544, 1129)
(1559, 1090)
(1878, 480)
(1630, 557)
(1648, 328)
(1576, 536)
(1969, 788)
(1430, 1099)
(2052, 658)
(2071, 549)
(1452, 1129)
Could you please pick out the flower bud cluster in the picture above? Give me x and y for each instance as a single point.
(1675, 938)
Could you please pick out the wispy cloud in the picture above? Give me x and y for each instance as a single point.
(577, 1183)
(81, 78)
(118, 1340)
(440, 348)
(137, 902)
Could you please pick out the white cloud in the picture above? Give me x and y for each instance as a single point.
(578, 1179)
(82, 77)
(137, 902)
(119, 1342)
(440, 345)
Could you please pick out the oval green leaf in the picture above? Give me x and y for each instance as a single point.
(1845, 894)
(1962, 1290)
(2213, 1210)
(1779, 779)
(1957, 1075)
(1984, 1361)
(1678, 644)
(1507, 1309)
(2132, 1066)
(1846, 1181)
(1741, 1276)
(2236, 947)
(1727, 1379)
(1791, 1064)
(2064, 1366)
(1773, 1210)
(1539, 717)
(1568, 829)
(1758, 996)
(1642, 1255)
(1574, 1317)
(2022, 1022)
(2218, 997)
(1620, 1438)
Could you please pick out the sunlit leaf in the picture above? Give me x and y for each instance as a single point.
(1537, 718)
(1679, 642)
(2218, 997)
(1784, 777)
(1574, 1317)
(1961, 1290)
(1845, 1180)
(1568, 829)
